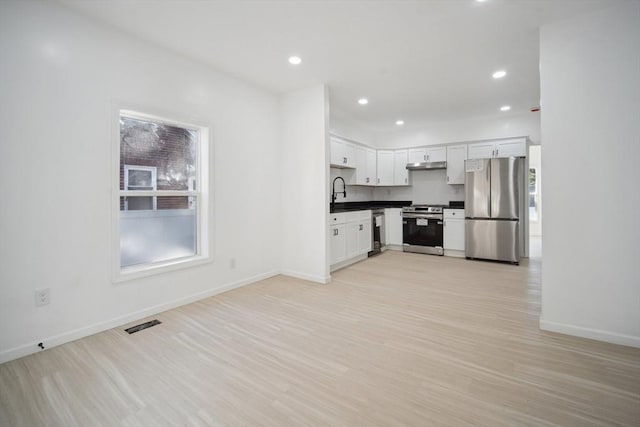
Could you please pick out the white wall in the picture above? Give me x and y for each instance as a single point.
(590, 79)
(60, 75)
(305, 184)
(509, 125)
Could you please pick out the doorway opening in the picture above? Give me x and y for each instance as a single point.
(535, 201)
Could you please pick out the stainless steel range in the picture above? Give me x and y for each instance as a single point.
(422, 229)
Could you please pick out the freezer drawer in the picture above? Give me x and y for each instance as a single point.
(492, 239)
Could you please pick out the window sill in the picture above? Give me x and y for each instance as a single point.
(137, 272)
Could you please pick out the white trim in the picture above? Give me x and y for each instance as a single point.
(65, 337)
(594, 334)
(305, 276)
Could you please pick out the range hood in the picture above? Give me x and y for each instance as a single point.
(423, 166)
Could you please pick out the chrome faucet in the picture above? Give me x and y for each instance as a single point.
(333, 190)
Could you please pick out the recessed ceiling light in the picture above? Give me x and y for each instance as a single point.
(363, 101)
(399, 122)
(499, 74)
(481, 1)
(505, 108)
(295, 60)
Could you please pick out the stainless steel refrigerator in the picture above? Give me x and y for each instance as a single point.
(493, 189)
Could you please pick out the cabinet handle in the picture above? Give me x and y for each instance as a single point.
(497, 152)
(378, 180)
(493, 153)
(424, 157)
(367, 180)
(344, 160)
(360, 227)
(406, 180)
(427, 157)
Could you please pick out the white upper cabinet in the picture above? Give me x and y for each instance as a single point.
(371, 166)
(343, 154)
(456, 155)
(400, 172)
(365, 164)
(437, 154)
(385, 167)
(417, 155)
(516, 147)
(481, 150)
(421, 155)
(511, 148)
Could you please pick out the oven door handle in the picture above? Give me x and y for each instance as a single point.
(422, 216)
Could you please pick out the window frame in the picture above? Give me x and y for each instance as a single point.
(201, 195)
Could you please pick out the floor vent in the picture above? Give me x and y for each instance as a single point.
(145, 325)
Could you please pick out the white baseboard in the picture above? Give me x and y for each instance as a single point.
(454, 253)
(305, 276)
(594, 334)
(56, 340)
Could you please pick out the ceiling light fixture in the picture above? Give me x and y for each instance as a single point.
(481, 1)
(295, 60)
(499, 74)
(399, 122)
(363, 101)
(505, 108)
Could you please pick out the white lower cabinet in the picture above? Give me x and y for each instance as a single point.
(364, 237)
(350, 235)
(453, 238)
(393, 225)
(338, 243)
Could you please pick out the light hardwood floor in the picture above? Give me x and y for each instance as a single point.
(397, 340)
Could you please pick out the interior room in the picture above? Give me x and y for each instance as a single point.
(383, 213)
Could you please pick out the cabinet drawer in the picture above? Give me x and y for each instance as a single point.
(357, 216)
(337, 218)
(454, 214)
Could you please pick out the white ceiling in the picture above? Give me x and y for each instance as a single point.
(424, 61)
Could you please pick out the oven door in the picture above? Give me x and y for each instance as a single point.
(422, 233)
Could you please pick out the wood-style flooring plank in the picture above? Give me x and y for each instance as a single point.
(396, 340)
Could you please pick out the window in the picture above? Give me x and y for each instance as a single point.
(161, 218)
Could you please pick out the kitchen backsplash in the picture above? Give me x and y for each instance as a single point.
(355, 193)
(428, 186)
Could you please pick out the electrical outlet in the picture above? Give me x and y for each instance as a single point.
(42, 297)
(232, 263)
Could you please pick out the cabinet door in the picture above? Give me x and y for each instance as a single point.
(338, 243)
(511, 148)
(453, 237)
(336, 153)
(372, 161)
(437, 154)
(352, 234)
(385, 167)
(393, 225)
(456, 155)
(480, 150)
(361, 166)
(349, 155)
(417, 155)
(400, 172)
(364, 237)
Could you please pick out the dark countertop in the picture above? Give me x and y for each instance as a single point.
(362, 206)
(382, 204)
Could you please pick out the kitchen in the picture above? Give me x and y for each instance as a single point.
(256, 328)
(413, 200)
